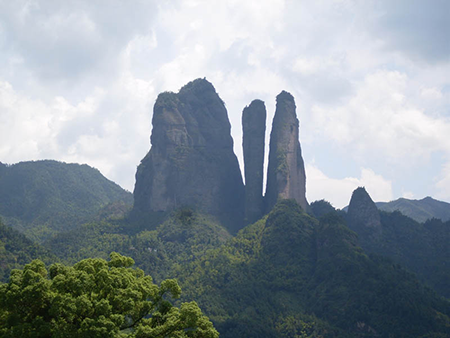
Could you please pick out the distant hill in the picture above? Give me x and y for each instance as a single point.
(42, 198)
(419, 210)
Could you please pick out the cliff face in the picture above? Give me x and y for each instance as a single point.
(286, 172)
(254, 129)
(191, 162)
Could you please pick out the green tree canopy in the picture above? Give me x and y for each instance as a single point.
(96, 298)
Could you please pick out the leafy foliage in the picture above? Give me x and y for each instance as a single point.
(95, 298)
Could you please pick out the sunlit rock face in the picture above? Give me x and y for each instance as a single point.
(253, 142)
(286, 171)
(191, 162)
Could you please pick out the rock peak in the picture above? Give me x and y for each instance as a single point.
(199, 86)
(362, 211)
(284, 95)
(286, 176)
(253, 142)
(191, 162)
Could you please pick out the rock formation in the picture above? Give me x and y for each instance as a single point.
(286, 172)
(254, 129)
(191, 162)
(362, 211)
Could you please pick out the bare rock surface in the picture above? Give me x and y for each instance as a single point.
(286, 176)
(362, 211)
(191, 162)
(254, 130)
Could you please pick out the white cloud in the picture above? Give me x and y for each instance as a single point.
(408, 195)
(339, 191)
(86, 133)
(380, 120)
(78, 79)
(431, 94)
(442, 186)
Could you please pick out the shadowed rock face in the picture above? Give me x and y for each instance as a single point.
(254, 130)
(191, 162)
(362, 211)
(286, 173)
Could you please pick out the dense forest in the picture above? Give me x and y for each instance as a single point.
(289, 274)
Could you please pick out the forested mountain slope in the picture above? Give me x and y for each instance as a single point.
(419, 210)
(17, 250)
(46, 197)
(421, 247)
(290, 274)
(159, 244)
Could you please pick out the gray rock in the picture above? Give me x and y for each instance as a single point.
(254, 129)
(191, 162)
(362, 211)
(286, 176)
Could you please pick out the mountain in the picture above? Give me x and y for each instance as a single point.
(291, 275)
(191, 162)
(286, 177)
(419, 210)
(287, 274)
(421, 247)
(300, 270)
(42, 198)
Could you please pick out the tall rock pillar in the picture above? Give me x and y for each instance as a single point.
(254, 129)
(191, 162)
(286, 176)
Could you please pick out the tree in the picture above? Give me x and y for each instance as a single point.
(96, 298)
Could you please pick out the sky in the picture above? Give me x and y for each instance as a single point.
(371, 80)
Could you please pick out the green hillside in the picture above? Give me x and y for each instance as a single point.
(160, 244)
(287, 275)
(17, 250)
(290, 275)
(421, 247)
(46, 197)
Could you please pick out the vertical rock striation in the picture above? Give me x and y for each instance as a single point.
(286, 172)
(191, 162)
(254, 129)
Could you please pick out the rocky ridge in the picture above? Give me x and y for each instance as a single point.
(192, 164)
